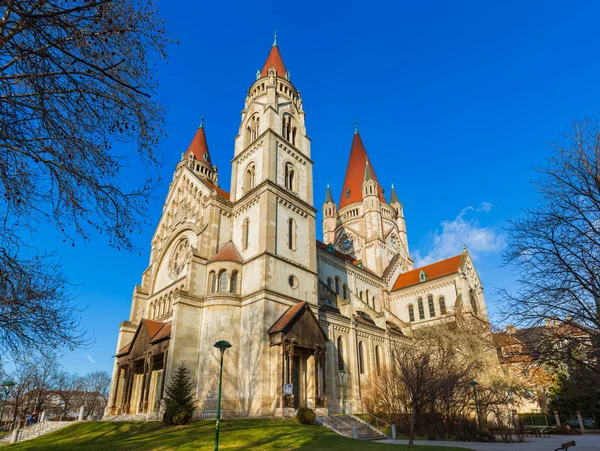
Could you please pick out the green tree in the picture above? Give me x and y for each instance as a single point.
(180, 398)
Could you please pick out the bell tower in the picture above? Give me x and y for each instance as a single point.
(272, 183)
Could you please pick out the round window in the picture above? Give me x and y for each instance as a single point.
(293, 281)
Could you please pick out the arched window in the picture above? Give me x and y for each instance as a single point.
(421, 309)
(473, 299)
(330, 283)
(252, 129)
(151, 311)
(368, 297)
(377, 362)
(250, 178)
(431, 306)
(245, 233)
(340, 346)
(212, 280)
(233, 282)
(290, 175)
(442, 306)
(289, 129)
(345, 291)
(291, 234)
(223, 281)
(411, 313)
(337, 286)
(361, 358)
(361, 295)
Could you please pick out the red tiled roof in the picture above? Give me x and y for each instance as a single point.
(220, 192)
(433, 271)
(355, 173)
(157, 331)
(337, 253)
(393, 328)
(289, 315)
(228, 253)
(274, 59)
(199, 146)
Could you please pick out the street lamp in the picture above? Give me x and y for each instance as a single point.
(474, 384)
(7, 386)
(221, 346)
(342, 377)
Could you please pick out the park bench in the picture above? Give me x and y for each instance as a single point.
(565, 446)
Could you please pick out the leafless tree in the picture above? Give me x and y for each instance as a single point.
(555, 252)
(75, 78)
(68, 388)
(94, 393)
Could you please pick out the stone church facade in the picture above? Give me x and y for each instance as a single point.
(246, 266)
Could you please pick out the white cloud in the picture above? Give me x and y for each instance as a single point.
(90, 359)
(462, 230)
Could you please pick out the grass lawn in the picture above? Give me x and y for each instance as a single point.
(256, 434)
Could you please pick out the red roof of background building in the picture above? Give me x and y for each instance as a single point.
(284, 320)
(355, 173)
(228, 253)
(199, 146)
(433, 271)
(274, 59)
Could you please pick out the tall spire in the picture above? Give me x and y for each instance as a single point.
(199, 146)
(355, 173)
(274, 60)
(328, 196)
(394, 196)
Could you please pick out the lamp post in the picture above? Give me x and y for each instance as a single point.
(7, 386)
(221, 346)
(474, 384)
(342, 377)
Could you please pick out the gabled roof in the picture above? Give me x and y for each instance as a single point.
(341, 255)
(432, 271)
(228, 253)
(220, 192)
(274, 59)
(199, 146)
(355, 173)
(157, 331)
(394, 328)
(286, 320)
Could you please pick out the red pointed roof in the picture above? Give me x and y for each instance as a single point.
(274, 59)
(355, 173)
(432, 271)
(228, 253)
(199, 146)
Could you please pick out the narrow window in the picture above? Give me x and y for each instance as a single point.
(421, 309)
(337, 286)
(212, 281)
(340, 353)
(233, 282)
(289, 176)
(368, 298)
(291, 234)
(377, 364)
(345, 291)
(361, 363)
(411, 313)
(151, 311)
(473, 299)
(250, 178)
(245, 230)
(223, 281)
(330, 283)
(361, 296)
(442, 306)
(431, 306)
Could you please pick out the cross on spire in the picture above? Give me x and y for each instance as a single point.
(355, 126)
(275, 38)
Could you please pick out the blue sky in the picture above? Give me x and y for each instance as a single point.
(456, 102)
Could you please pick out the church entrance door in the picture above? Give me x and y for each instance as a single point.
(296, 381)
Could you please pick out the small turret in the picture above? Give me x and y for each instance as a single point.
(197, 157)
(329, 217)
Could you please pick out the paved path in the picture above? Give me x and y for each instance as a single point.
(584, 443)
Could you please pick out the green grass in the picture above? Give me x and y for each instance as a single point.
(259, 434)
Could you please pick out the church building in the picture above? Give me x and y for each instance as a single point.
(245, 266)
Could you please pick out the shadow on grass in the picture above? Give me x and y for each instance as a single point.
(256, 434)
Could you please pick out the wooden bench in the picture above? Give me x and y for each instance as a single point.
(565, 446)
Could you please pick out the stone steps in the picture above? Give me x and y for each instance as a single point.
(133, 417)
(344, 425)
(36, 430)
